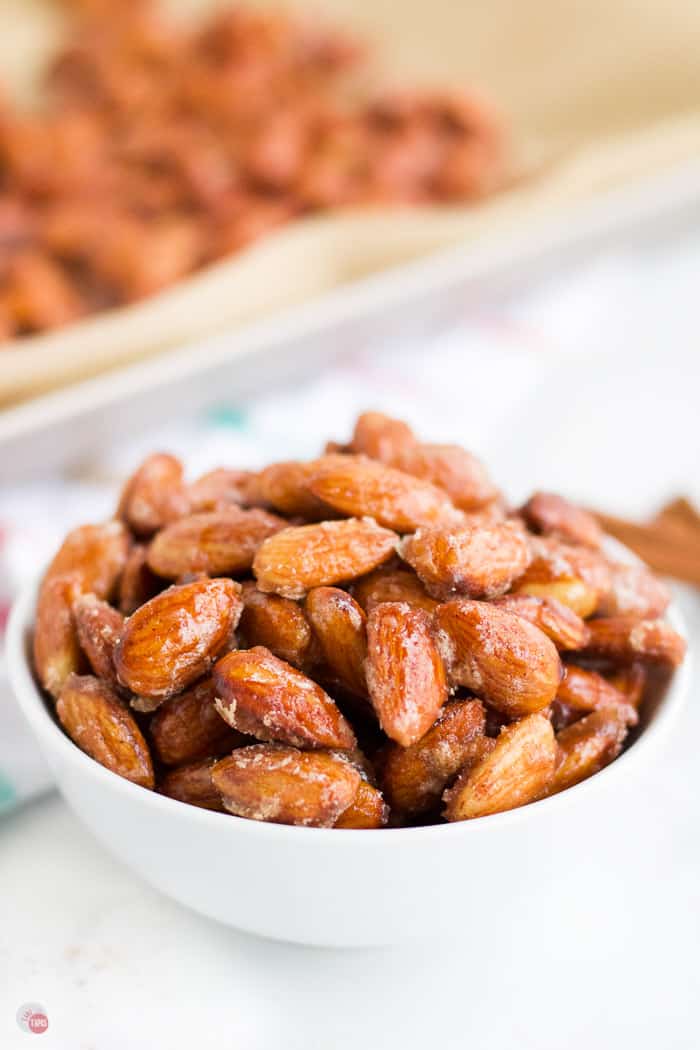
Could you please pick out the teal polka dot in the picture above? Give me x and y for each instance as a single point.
(8, 798)
(228, 416)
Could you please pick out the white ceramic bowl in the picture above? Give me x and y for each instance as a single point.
(342, 888)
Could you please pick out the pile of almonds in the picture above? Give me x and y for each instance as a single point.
(163, 145)
(368, 638)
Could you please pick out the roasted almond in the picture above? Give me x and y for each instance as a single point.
(504, 659)
(193, 784)
(367, 810)
(174, 639)
(56, 648)
(454, 470)
(626, 639)
(285, 488)
(589, 691)
(634, 591)
(99, 628)
(552, 515)
(295, 560)
(517, 771)
(137, 583)
(259, 694)
(361, 487)
(381, 437)
(277, 623)
(576, 576)
(218, 543)
(392, 585)
(98, 722)
(559, 622)
(188, 727)
(217, 489)
(477, 561)
(95, 555)
(286, 786)
(632, 682)
(413, 778)
(405, 673)
(154, 495)
(587, 746)
(340, 627)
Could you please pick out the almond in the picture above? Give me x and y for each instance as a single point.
(218, 543)
(259, 694)
(295, 560)
(405, 674)
(56, 648)
(632, 683)
(367, 810)
(559, 622)
(477, 561)
(218, 489)
(504, 659)
(362, 487)
(340, 627)
(392, 585)
(154, 495)
(552, 515)
(175, 637)
(576, 576)
(517, 771)
(137, 583)
(286, 786)
(451, 468)
(589, 691)
(634, 591)
(285, 488)
(626, 639)
(95, 554)
(99, 628)
(587, 746)
(188, 727)
(381, 437)
(413, 778)
(98, 722)
(192, 783)
(276, 623)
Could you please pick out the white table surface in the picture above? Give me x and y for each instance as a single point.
(590, 383)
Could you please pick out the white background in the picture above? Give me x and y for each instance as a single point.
(588, 382)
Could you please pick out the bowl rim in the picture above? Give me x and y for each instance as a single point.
(35, 709)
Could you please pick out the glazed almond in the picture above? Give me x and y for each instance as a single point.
(361, 487)
(56, 648)
(175, 637)
(218, 489)
(413, 778)
(137, 584)
(589, 691)
(454, 470)
(259, 694)
(285, 488)
(477, 561)
(188, 727)
(393, 585)
(154, 495)
(626, 639)
(405, 673)
(95, 555)
(192, 783)
(99, 628)
(286, 786)
(504, 659)
(293, 561)
(518, 770)
(559, 622)
(367, 810)
(340, 627)
(277, 623)
(98, 722)
(576, 576)
(217, 543)
(552, 515)
(634, 591)
(381, 437)
(587, 746)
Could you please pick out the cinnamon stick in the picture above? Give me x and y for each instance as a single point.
(670, 544)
